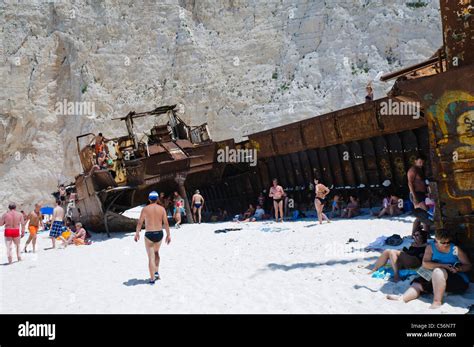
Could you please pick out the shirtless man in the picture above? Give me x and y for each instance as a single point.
(154, 217)
(100, 143)
(277, 193)
(321, 192)
(62, 194)
(197, 203)
(35, 219)
(416, 183)
(57, 223)
(12, 221)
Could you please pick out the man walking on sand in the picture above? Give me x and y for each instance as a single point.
(58, 223)
(154, 217)
(35, 219)
(197, 203)
(12, 221)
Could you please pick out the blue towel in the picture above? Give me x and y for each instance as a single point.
(387, 273)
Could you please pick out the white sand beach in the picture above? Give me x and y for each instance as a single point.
(290, 267)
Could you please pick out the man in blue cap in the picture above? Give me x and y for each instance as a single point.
(154, 217)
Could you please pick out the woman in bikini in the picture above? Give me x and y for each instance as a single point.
(321, 192)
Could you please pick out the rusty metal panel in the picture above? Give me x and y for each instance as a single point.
(458, 32)
(312, 133)
(370, 162)
(396, 157)
(315, 166)
(346, 160)
(358, 162)
(330, 130)
(299, 178)
(336, 169)
(448, 99)
(288, 139)
(264, 174)
(264, 142)
(306, 169)
(289, 170)
(390, 118)
(281, 172)
(356, 125)
(383, 160)
(410, 147)
(272, 170)
(325, 167)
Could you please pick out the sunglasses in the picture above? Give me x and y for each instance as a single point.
(443, 243)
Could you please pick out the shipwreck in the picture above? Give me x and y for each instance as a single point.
(359, 148)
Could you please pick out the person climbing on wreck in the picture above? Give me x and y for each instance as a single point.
(320, 200)
(154, 216)
(277, 193)
(100, 141)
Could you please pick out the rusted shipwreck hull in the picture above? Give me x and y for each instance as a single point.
(172, 154)
(355, 148)
(448, 98)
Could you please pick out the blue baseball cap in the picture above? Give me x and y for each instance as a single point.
(153, 196)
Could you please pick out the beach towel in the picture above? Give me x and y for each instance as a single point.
(379, 244)
(387, 273)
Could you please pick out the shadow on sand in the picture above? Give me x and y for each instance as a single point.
(135, 282)
(282, 267)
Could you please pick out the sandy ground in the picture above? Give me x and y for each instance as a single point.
(290, 267)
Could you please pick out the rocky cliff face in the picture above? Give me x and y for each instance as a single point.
(240, 65)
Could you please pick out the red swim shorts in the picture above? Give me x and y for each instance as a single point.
(12, 232)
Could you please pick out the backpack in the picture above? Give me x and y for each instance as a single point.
(394, 240)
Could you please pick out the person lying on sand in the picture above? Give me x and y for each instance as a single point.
(406, 259)
(448, 265)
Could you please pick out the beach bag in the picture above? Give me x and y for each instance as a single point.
(394, 240)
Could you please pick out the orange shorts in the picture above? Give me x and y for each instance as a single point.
(33, 230)
(79, 242)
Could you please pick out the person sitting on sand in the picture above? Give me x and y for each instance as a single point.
(390, 206)
(449, 266)
(78, 237)
(249, 213)
(336, 206)
(257, 216)
(352, 208)
(408, 258)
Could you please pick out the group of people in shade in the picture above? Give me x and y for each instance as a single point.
(15, 228)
